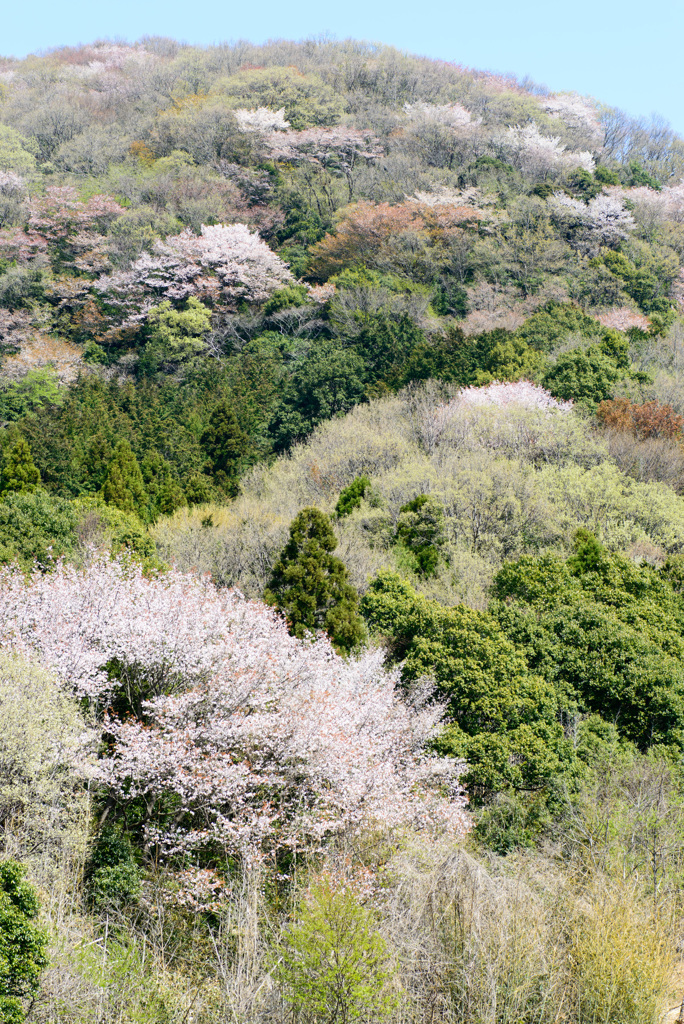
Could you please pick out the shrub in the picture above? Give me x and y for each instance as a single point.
(22, 942)
(333, 965)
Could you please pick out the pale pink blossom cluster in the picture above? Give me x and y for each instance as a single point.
(652, 207)
(225, 262)
(538, 154)
(264, 740)
(621, 318)
(12, 186)
(321, 292)
(443, 195)
(603, 221)
(578, 114)
(451, 115)
(23, 247)
(323, 146)
(522, 392)
(61, 212)
(261, 120)
(108, 57)
(239, 258)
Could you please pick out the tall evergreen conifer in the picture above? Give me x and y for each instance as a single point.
(225, 444)
(310, 586)
(124, 486)
(19, 472)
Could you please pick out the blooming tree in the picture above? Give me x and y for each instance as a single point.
(226, 262)
(263, 740)
(621, 318)
(12, 186)
(652, 207)
(522, 393)
(578, 114)
(23, 247)
(261, 120)
(603, 221)
(60, 213)
(538, 155)
(452, 115)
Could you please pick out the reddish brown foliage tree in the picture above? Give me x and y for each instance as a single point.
(368, 232)
(651, 419)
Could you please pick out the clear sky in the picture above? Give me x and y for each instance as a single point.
(627, 54)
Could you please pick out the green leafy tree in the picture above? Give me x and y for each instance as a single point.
(551, 324)
(164, 493)
(605, 632)
(310, 586)
(112, 876)
(502, 718)
(306, 99)
(19, 472)
(588, 375)
(36, 527)
(124, 486)
(39, 387)
(22, 942)
(385, 344)
(15, 152)
(330, 381)
(333, 965)
(176, 336)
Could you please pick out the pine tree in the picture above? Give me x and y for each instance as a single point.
(310, 586)
(124, 486)
(225, 444)
(19, 472)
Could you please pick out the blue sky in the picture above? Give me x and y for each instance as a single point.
(626, 54)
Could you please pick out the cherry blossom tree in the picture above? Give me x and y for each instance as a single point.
(60, 213)
(24, 247)
(336, 149)
(261, 120)
(622, 318)
(225, 263)
(539, 155)
(603, 221)
(522, 393)
(263, 741)
(452, 115)
(578, 114)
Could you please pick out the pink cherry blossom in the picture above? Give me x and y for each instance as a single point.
(264, 740)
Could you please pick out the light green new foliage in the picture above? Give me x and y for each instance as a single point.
(175, 335)
(333, 965)
(512, 481)
(13, 153)
(43, 805)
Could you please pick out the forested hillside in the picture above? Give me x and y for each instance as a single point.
(341, 542)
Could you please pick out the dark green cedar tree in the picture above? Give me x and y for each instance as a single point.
(351, 496)
(310, 586)
(124, 486)
(226, 447)
(19, 472)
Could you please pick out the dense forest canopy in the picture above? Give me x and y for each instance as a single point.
(341, 542)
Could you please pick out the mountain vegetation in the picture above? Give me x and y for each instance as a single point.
(341, 542)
